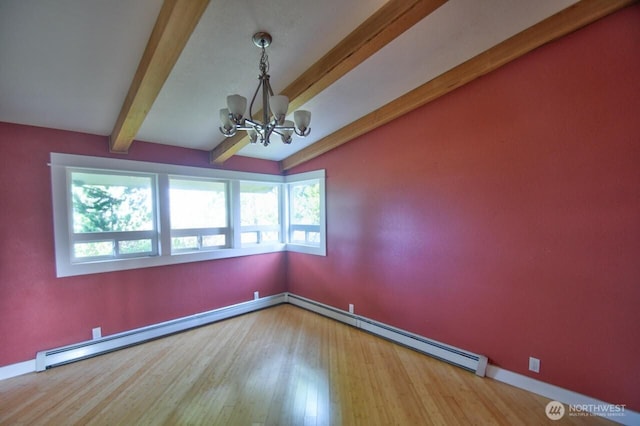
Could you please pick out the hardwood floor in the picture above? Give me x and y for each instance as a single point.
(280, 366)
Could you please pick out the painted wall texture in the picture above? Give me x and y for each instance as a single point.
(39, 311)
(503, 218)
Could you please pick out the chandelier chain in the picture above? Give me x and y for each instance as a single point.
(264, 62)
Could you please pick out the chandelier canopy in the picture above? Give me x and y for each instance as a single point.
(274, 108)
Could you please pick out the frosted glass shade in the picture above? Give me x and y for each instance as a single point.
(253, 135)
(224, 119)
(237, 105)
(287, 132)
(279, 105)
(302, 119)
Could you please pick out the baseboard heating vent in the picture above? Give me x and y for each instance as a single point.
(450, 354)
(322, 309)
(83, 350)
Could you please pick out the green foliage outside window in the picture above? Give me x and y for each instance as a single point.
(305, 201)
(121, 204)
(259, 204)
(98, 208)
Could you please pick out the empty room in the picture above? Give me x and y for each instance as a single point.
(337, 212)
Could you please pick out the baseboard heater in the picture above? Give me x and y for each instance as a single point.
(90, 348)
(76, 352)
(450, 354)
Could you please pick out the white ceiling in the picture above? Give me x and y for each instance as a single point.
(68, 64)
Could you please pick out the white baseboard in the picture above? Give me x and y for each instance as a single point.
(13, 370)
(556, 393)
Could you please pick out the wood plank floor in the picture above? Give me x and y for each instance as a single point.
(279, 366)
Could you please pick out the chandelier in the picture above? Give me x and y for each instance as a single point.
(274, 108)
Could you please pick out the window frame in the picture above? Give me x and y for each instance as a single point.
(200, 232)
(61, 202)
(259, 229)
(114, 237)
(291, 181)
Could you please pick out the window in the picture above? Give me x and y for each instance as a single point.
(199, 219)
(260, 213)
(306, 213)
(112, 214)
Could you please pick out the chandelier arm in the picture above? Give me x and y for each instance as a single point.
(268, 130)
(277, 128)
(265, 99)
(269, 87)
(303, 134)
(253, 99)
(228, 133)
(252, 125)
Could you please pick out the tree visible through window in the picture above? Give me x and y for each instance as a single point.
(104, 204)
(305, 212)
(259, 213)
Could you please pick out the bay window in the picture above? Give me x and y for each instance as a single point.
(112, 214)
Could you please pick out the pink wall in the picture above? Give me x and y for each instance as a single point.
(39, 311)
(503, 218)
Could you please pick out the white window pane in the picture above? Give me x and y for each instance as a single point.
(249, 238)
(270, 236)
(305, 204)
(93, 249)
(214, 241)
(259, 204)
(135, 246)
(104, 202)
(298, 237)
(197, 204)
(184, 243)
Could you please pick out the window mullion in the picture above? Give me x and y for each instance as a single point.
(234, 213)
(285, 214)
(164, 216)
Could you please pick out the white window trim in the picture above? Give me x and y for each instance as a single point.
(66, 267)
(115, 236)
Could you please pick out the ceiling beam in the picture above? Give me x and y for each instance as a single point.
(556, 26)
(176, 21)
(387, 23)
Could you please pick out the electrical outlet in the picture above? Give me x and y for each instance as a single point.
(96, 333)
(256, 295)
(350, 308)
(534, 364)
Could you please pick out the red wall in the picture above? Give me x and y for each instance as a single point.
(39, 311)
(504, 218)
